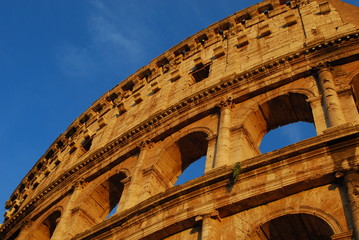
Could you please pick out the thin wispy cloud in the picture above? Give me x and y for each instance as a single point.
(75, 62)
(113, 42)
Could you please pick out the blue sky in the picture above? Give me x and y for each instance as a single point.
(58, 57)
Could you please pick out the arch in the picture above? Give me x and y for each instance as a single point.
(276, 111)
(293, 226)
(183, 150)
(45, 228)
(100, 200)
(319, 213)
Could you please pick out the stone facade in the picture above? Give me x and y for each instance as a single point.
(216, 94)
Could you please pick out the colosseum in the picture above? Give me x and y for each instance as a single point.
(214, 95)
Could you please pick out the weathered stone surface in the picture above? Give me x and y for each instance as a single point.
(216, 94)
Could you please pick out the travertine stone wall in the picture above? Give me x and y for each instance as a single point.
(216, 94)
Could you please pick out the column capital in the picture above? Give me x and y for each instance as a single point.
(226, 103)
(26, 223)
(323, 66)
(146, 144)
(79, 184)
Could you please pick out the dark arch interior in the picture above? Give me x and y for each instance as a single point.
(293, 227)
(279, 111)
(285, 109)
(46, 229)
(192, 147)
(101, 201)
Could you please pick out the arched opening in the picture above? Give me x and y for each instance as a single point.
(46, 228)
(293, 227)
(188, 150)
(101, 202)
(286, 135)
(194, 170)
(276, 112)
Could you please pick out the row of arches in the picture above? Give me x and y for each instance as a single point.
(195, 147)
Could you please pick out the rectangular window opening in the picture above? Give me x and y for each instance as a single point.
(71, 132)
(243, 18)
(200, 72)
(265, 9)
(128, 86)
(202, 39)
(182, 50)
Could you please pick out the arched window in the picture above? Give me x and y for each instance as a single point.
(46, 229)
(188, 150)
(272, 115)
(97, 205)
(286, 135)
(293, 227)
(195, 170)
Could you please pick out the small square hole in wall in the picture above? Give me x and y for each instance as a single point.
(49, 154)
(182, 50)
(221, 29)
(97, 108)
(72, 150)
(60, 144)
(202, 39)
(200, 72)
(243, 18)
(128, 86)
(218, 52)
(163, 63)
(290, 20)
(71, 132)
(265, 9)
(175, 75)
(121, 109)
(86, 143)
(286, 2)
(242, 41)
(264, 31)
(145, 74)
(155, 87)
(112, 97)
(138, 98)
(101, 123)
(324, 8)
(84, 119)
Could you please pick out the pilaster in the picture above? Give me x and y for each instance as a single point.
(25, 230)
(224, 132)
(63, 231)
(210, 226)
(135, 186)
(330, 100)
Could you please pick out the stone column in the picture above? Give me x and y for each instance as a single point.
(223, 139)
(135, 187)
(63, 229)
(210, 226)
(211, 150)
(351, 180)
(331, 103)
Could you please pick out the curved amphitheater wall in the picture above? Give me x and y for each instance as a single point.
(216, 94)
